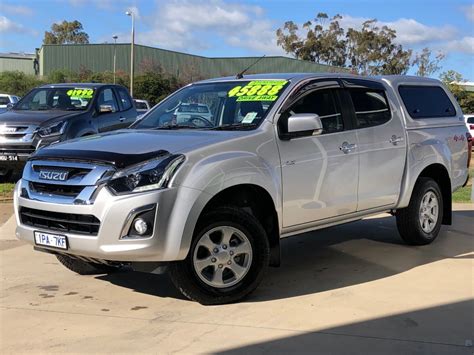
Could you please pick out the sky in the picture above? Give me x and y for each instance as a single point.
(222, 28)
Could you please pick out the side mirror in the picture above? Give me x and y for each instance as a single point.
(304, 124)
(105, 109)
(10, 106)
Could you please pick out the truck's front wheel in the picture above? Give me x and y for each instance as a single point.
(420, 222)
(227, 260)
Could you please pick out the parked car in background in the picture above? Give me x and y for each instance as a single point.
(141, 106)
(7, 101)
(187, 111)
(210, 197)
(470, 123)
(58, 112)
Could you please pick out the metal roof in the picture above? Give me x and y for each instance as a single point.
(76, 85)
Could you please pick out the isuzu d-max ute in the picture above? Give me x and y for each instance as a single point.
(58, 112)
(209, 198)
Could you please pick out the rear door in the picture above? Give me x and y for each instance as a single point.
(319, 173)
(128, 113)
(381, 142)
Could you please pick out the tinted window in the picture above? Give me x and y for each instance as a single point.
(371, 107)
(125, 99)
(322, 103)
(4, 100)
(470, 120)
(141, 105)
(426, 101)
(107, 97)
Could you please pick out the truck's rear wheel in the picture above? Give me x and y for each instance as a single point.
(227, 260)
(83, 267)
(420, 222)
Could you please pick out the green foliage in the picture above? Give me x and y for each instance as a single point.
(425, 64)
(154, 86)
(66, 33)
(18, 83)
(370, 51)
(465, 98)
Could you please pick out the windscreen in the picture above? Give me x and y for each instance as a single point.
(237, 104)
(64, 99)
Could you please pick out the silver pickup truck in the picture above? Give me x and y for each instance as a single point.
(209, 198)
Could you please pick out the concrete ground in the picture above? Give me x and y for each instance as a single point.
(352, 289)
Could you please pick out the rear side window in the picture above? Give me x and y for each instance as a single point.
(322, 103)
(470, 120)
(426, 101)
(371, 107)
(125, 99)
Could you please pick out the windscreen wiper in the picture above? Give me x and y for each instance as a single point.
(235, 126)
(177, 126)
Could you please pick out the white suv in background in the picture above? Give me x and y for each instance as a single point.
(6, 99)
(470, 123)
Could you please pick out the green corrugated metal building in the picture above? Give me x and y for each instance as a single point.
(99, 58)
(17, 62)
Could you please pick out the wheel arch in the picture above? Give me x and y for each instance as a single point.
(439, 173)
(255, 200)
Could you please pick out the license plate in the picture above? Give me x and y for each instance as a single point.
(51, 240)
(8, 157)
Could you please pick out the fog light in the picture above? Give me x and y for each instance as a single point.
(140, 226)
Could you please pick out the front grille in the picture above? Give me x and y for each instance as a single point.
(76, 173)
(20, 149)
(59, 190)
(61, 222)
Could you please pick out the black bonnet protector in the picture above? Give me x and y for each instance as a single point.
(92, 156)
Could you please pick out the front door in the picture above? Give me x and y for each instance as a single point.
(319, 173)
(108, 121)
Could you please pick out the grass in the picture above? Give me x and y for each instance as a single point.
(6, 191)
(463, 195)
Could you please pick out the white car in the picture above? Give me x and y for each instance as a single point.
(6, 99)
(470, 123)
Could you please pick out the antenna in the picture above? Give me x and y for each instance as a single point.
(241, 74)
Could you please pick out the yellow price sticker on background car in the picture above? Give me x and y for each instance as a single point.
(81, 93)
(259, 90)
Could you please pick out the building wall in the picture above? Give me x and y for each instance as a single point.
(99, 58)
(24, 65)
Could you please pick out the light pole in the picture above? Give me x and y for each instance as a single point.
(115, 54)
(130, 13)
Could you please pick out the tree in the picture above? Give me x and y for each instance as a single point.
(465, 98)
(66, 33)
(324, 43)
(371, 50)
(426, 65)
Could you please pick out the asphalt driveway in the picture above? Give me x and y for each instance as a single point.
(348, 289)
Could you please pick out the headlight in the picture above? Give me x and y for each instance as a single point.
(54, 129)
(150, 175)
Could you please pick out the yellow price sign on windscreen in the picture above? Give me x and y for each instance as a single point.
(259, 90)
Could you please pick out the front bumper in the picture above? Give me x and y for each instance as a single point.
(165, 244)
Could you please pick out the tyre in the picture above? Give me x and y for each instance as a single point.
(83, 267)
(227, 260)
(420, 222)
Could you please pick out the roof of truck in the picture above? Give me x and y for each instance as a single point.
(303, 76)
(76, 85)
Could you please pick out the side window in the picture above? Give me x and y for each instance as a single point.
(323, 103)
(106, 97)
(371, 107)
(426, 101)
(125, 99)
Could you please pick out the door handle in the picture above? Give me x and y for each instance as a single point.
(122, 119)
(395, 140)
(347, 147)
